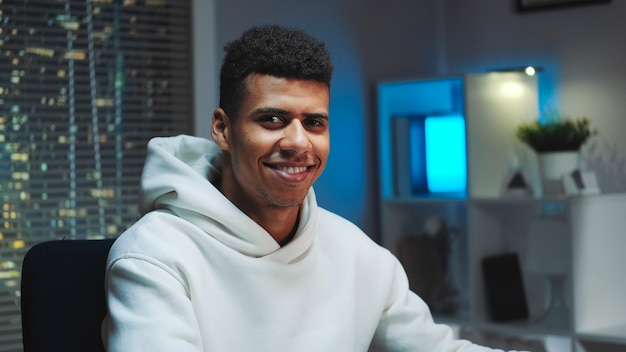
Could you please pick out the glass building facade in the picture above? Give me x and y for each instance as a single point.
(83, 86)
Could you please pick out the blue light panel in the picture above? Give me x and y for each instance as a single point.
(446, 167)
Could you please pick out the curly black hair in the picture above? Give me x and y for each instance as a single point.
(273, 50)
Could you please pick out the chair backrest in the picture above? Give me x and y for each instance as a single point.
(62, 300)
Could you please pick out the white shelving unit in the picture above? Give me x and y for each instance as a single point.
(582, 238)
(599, 240)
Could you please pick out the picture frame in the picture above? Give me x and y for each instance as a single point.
(537, 5)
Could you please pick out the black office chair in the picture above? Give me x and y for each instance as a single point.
(63, 301)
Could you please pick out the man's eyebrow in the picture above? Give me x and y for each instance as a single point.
(313, 115)
(271, 110)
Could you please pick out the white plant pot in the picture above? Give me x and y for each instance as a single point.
(553, 166)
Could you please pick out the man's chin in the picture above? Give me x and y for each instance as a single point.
(289, 202)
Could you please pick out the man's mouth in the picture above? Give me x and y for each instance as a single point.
(291, 173)
(290, 169)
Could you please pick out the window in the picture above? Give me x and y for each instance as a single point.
(83, 85)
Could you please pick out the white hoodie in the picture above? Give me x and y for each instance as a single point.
(196, 274)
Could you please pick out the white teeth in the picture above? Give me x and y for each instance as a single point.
(292, 169)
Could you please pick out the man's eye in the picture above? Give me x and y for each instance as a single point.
(314, 122)
(270, 119)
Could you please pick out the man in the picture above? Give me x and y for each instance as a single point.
(233, 253)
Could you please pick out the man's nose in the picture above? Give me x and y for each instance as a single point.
(295, 138)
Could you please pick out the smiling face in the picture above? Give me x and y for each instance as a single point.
(278, 144)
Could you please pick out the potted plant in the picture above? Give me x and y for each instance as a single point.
(556, 134)
(557, 140)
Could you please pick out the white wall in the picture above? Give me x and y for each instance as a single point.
(582, 50)
(205, 65)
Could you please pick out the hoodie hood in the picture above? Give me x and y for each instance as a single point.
(178, 175)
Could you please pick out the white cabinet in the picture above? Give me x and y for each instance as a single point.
(575, 243)
(599, 269)
(492, 105)
(582, 237)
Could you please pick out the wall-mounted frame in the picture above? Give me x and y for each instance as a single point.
(536, 5)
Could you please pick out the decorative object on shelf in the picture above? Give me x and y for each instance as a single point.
(608, 161)
(504, 286)
(502, 340)
(429, 155)
(557, 140)
(423, 265)
(524, 6)
(426, 260)
(553, 166)
(548, 256)
(517, 183)
(579, 182)
(441, 236)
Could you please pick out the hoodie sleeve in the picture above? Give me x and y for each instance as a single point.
(149, 309)
(407, 325)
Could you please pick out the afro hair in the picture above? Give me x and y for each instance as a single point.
(272, 50)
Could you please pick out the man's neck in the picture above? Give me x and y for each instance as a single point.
(281, 224)
(291, 235)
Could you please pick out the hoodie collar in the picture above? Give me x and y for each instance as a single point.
(179, 174)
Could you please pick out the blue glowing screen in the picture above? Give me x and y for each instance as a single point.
(446, 168)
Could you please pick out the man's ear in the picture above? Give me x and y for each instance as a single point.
(221, 129)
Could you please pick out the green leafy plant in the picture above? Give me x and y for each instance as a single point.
(556, 133)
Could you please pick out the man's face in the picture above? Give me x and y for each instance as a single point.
(278, 144)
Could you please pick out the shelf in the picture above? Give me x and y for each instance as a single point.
(423, 200)
(612, 334)
(521, 328)
(461, 320)
(517, 200)
(575, 241)
(492, 201)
